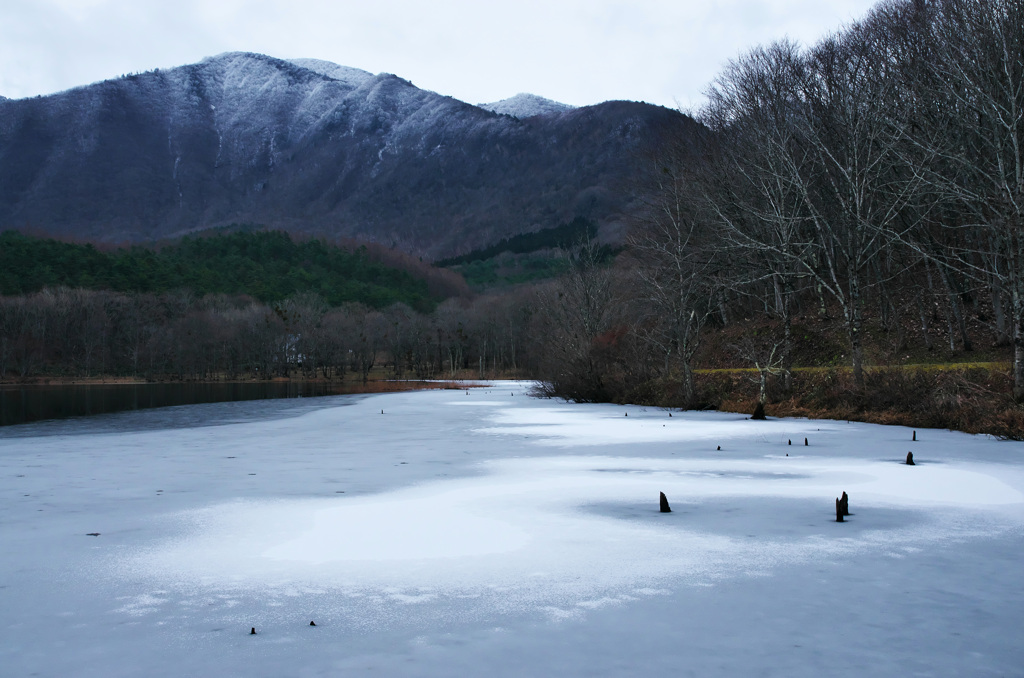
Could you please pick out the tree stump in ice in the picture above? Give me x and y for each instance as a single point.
(844, 501)
(312, 623)
(253, 631)
(910, 459)
(839, 511)
(664, 504)
(759, 412)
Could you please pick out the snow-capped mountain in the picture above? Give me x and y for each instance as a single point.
(313, 147)
(525, 105)
(351, 76)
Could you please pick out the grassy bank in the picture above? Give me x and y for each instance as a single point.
(972, 397)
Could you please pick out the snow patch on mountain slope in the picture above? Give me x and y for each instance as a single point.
(525, 105)
(259, 104)
(346, 74)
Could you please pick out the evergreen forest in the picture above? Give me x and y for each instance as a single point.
(266, 265)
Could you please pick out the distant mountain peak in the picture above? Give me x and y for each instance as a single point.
(524, 105)
(314, 147)
(234, 56)
(347, 74)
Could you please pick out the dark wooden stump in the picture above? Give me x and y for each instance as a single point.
(805, 442)
(253, 632)
(759, 412)
(844, 501)
(312, 623)
(664, 503)
(839, 511)
(910, 459)
(914, 437)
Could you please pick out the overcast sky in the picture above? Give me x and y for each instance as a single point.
(576, 51)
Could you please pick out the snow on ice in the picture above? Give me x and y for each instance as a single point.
(463, 534)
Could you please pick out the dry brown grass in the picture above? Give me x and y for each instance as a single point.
(971, 398)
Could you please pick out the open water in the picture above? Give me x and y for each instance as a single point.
(22, 404)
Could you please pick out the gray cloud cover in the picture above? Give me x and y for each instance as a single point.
(575, 51)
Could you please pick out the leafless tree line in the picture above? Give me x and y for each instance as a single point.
(81, 333)
(901, 147)
(876, 174)
(888, 158)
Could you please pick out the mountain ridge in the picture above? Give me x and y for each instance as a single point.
(313, 148)
(525, 105)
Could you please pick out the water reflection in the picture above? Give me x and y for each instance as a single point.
(32, 403)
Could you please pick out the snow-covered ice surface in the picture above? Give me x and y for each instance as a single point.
(492, 533)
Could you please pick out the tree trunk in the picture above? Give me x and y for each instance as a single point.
(855, 322)
(1002, 333)
(924, 322)
(1018, 339)
(689, 392)
(857, 355)
(958, 313)
(787, 342)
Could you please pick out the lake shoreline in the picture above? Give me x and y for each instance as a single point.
(33, 402)
(108, 380)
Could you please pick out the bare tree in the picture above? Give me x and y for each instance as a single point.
(972, 135)
(674, 269)
(450, 319)
(818, 193)
(574, 312)
(765, 354)
(753, 187)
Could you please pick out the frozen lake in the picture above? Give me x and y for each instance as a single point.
(490, 533)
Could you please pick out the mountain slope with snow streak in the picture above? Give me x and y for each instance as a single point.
(313, 148)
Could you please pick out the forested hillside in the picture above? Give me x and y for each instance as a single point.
(525, 258)
(269, 266)
(313, 149)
